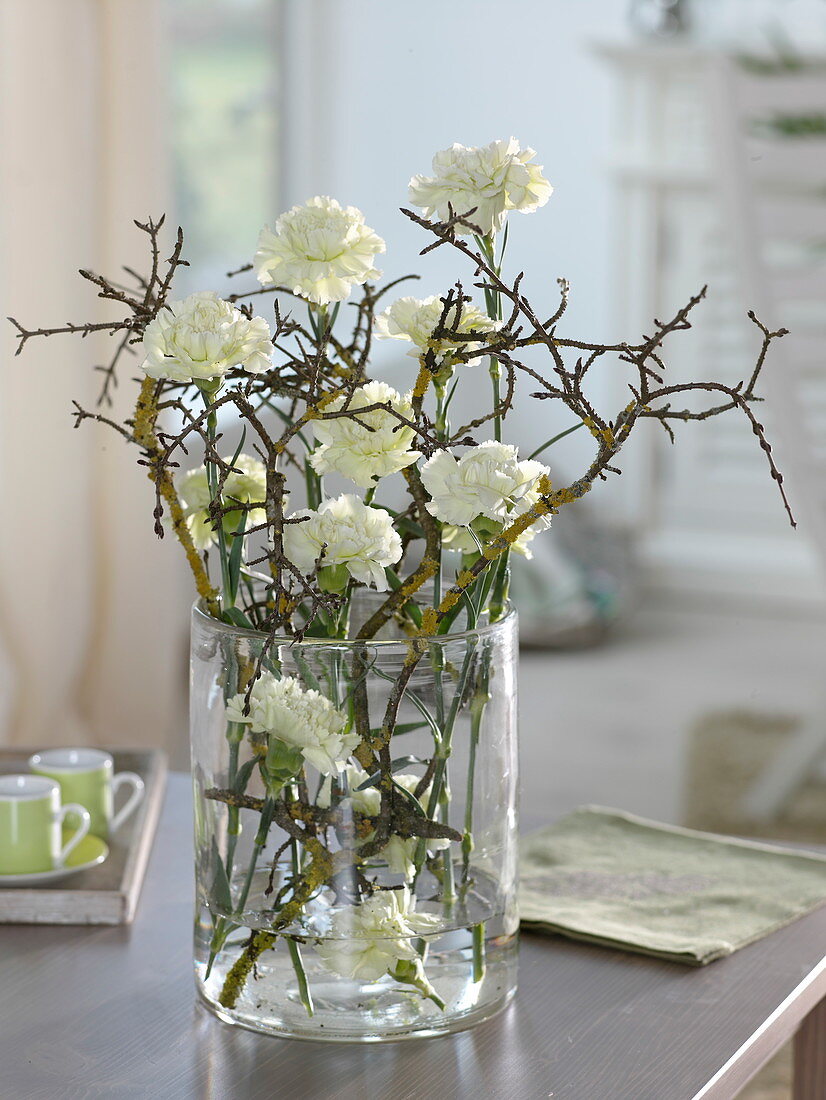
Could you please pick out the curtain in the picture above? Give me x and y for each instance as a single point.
(93, 607)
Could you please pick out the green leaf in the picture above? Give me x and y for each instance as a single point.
(402, 761)
(221, 895)
(236, 617)
(242, 776)
(449, 619)
(403, 523)
(234, 562)
(402, 727)
(417, 703)
(240, 447)
(399, 762)
(307, 674)
(286, 419)
(411, 798)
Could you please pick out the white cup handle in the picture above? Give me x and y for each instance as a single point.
(82, 829)
(132, 802)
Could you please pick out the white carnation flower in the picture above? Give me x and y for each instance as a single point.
(301, 718)
(492, 178)
(202, 337)
(350, 534)
(320, 250)
(399, 853)
(487, 481)
(414, 319)
(375, 445)
(482, 530)
(248, 485)
(368, 939)
(367, 802)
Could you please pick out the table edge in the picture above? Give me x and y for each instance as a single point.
(776, 1029)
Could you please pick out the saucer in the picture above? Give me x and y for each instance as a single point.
(89, 853)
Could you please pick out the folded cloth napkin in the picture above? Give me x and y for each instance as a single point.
(618, 880)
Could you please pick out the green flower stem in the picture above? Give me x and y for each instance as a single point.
(501, 583)
(480, 702)
(442, 753)
(301, 975)
(320, 322)
(233, 812)
(441, 425)
(437, 662)
(221, 928)
(493, 303)
(477, 711)
(258, 846)
(495, 373)
(411, 972)
(436, 652)
(313, 486)
(448, 882)
(234, 735)
(467, 837)
(227, 596)
(292, 945)
(478, 933)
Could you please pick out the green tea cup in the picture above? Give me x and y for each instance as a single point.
(31, 820)
(88, 776)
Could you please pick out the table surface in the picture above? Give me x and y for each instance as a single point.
(110, 1013)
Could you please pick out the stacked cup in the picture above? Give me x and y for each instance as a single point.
(30, 825)
(88, 776)
(71, 787)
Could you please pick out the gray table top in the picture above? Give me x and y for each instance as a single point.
(110, 1013)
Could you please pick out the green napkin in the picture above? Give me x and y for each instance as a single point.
(618, 880)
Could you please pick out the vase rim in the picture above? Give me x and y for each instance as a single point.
(509, 618)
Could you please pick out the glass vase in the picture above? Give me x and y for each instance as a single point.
(367, 900)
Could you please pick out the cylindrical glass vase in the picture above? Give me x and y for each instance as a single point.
(355, 829)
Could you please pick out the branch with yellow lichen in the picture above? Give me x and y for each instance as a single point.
(309, 370)
(143, 427)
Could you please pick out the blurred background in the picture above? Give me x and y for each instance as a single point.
(674, 622)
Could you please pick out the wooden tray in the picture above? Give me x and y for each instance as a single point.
(107, 894)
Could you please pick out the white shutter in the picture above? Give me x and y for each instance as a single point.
(711, 515)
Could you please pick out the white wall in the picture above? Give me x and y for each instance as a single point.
(374, 88)
(752, 24)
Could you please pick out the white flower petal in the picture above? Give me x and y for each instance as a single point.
(368, 939)
(490, 180)
(373, 446)
(486, 481)
(248, 485)
(301, 718)
(349, 533)
(202, 337)
(414, 319)
(320, 250)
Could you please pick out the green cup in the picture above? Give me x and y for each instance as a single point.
(88, 776)
(31, 820)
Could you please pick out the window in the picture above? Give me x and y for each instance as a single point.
(223, 80)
